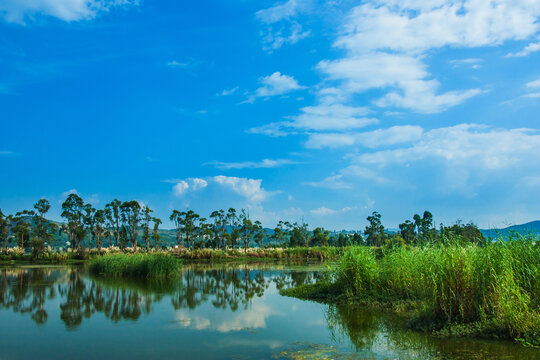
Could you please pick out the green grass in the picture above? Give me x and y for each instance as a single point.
(136, 265)
(491, 290)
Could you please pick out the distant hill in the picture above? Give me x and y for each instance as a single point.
(532, 227)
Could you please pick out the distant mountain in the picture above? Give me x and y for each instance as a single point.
(532, 227)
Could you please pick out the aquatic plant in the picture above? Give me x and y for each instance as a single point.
(489, 289)
(135, 265)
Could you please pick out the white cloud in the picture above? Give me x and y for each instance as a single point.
(281, 27)
(279, 12)
(321, 117)
(181, 187)
(275, 84)
(534, 95)
(71, 191)
(372, 139)
(265, 163)
(414, 27)
(348, 177)
(175, 63)
(22, 11)
(273, 40)
(249, 188)
(406, 74)
(197, 184)
(534, 84)
(227, 92)
(323, 211)
(530, 48)
(468, 145)
(474, 63)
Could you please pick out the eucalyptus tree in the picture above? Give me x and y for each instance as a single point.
(98, 227)
(189, 222)
(246, 229)
(219, 226)
(146, 226)
(155, 234)
(73, 211)
(45, 230)
(233, 221)
(5, 228)
(112, 214)
(130, 212)
(176, 218)
(259, 233)
(204, 231)
(22, 228)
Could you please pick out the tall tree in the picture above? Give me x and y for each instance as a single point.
(176, 218)
(112, 214)
(189, 222)
(73, 211)
(246, 229)
(259, 233)
(98, 227)
(146, 226)
(45, 230)
(375, 230)
(22, 228)
(131, 216)
(5, 228)
(406, 230)
(155, 234)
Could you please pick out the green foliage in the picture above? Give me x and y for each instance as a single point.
(491, 289)
(136, 265)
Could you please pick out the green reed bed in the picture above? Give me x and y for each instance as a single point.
(491, 290)
(135, 265)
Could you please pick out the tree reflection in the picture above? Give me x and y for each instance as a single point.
(26, 290)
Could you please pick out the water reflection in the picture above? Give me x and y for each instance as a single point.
(26, 290)
(221, 312)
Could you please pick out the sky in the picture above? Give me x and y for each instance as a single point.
(321, 111)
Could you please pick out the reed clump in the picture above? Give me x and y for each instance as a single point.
(490, 289)
(135, 265)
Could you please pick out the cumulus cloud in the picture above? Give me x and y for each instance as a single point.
(181, 187)
(251, 189)
(275, 84)
(21, 12)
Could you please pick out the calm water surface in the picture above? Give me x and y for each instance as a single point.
(210, 312)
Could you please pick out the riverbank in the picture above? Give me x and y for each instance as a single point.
(198, 255)
(489, 291)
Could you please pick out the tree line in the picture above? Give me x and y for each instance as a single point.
(130, 224)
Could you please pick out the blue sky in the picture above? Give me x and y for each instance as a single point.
(292, 109)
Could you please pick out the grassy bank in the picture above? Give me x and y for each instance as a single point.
(205, 255)
(135, 265)
(255, 254)
(488, 291)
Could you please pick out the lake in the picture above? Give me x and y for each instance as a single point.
(209, 312)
